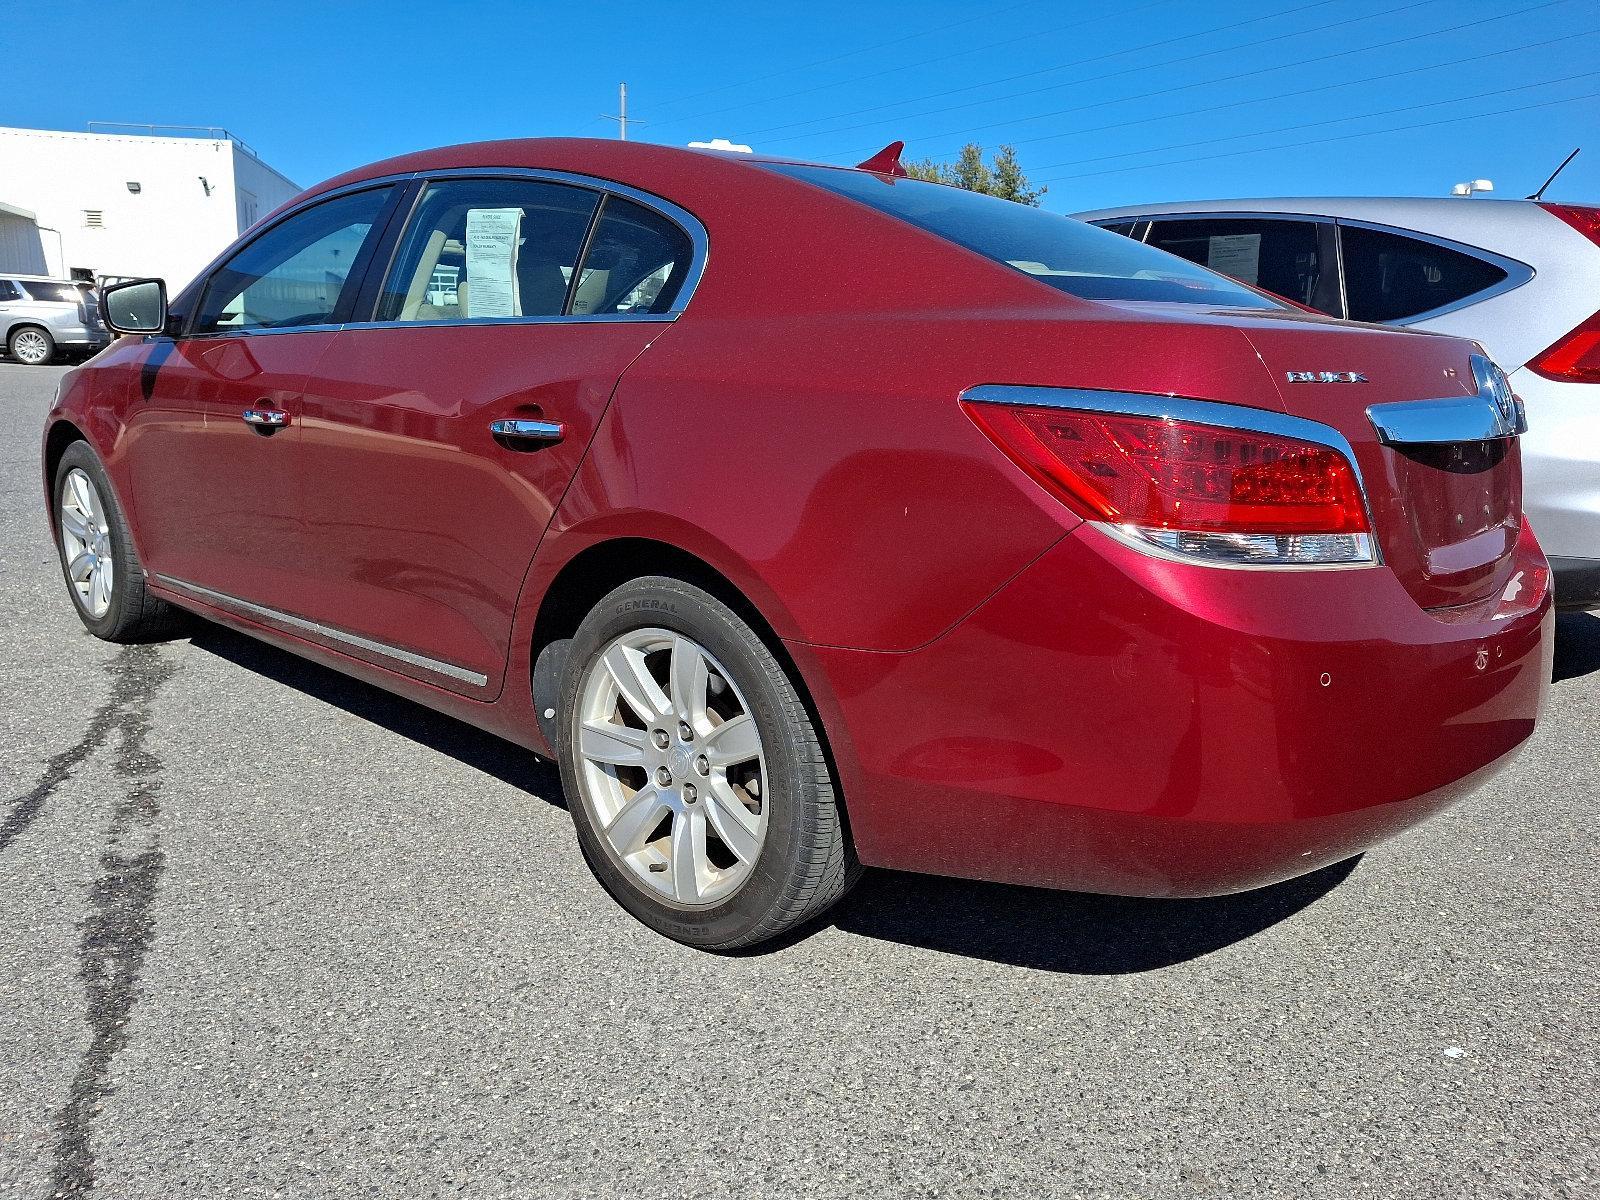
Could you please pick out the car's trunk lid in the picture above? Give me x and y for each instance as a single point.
(1445, 498)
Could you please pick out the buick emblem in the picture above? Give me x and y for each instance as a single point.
(1326, 377)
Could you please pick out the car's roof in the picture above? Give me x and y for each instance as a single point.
(47, 279)
(596, 156)
(1394, 210)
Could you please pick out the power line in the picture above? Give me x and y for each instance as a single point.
(1084, 62)
(926, 62)
(823, 62)
(1096, 105)
(1342, 137)
(1380, 78)
(1387, 112)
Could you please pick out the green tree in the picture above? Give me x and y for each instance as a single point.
(1003, 177)
(1009, 182)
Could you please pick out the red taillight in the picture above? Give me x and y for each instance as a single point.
(1201, 490)
(1575, 358)
(1584, 218)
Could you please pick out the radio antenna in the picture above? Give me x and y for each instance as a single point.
(1540, 193)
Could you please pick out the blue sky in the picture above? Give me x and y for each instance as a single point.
(1108, 103)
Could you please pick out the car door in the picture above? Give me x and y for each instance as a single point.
(424, 508)
(1292, 257)
(10, 297)
(213, 432)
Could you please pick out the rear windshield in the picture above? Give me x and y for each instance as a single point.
(1070, 256)
(61, 293)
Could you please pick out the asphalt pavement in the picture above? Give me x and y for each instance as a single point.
(270, 932)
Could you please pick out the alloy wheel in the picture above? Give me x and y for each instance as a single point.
(86, 543)
(671, 767)
(31, 347)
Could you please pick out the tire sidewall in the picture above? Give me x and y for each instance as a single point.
(80, 457)
(681, 608)
(50, 344)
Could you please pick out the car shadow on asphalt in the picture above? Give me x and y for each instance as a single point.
(1032, 927)
(1577, 645)
(1068, 932)
(466, 744)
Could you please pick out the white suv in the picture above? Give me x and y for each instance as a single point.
(43, 318)
(1522, 277)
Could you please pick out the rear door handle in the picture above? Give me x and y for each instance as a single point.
(266, 418)
(526, 431)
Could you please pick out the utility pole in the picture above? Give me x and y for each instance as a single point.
(621, 115)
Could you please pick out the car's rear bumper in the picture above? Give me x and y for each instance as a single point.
(1561, 464)
(1111, 722)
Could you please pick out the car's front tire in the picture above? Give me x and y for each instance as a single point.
(701, 794)
(31, 346)
(98, 559)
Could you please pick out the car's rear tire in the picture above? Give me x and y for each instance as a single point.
(98, 561)
(701, 794)
(31, 346)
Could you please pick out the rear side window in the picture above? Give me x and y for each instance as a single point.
(9, 291)
(1285, 257)
(1389, 277)
(480, 249)
(1068, 255)
(296, 272)
(56, 293)
(637, 262)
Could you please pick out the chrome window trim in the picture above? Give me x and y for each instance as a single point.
(699, 241)
(301, 624)
(1202, 412)
(451, 323)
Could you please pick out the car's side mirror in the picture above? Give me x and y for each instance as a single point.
(139, 306)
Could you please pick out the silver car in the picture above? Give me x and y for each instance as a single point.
(1521, 277)
(41, 319)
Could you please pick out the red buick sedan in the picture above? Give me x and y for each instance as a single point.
(814, 517)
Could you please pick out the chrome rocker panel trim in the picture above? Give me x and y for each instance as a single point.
(300, 624)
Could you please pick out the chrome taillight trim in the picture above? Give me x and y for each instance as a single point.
(1201, 412)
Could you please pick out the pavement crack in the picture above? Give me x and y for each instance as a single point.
(127, 680)
(120, 925)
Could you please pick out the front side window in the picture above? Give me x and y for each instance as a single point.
(1279, 255)
(1389, 277)
(480, 249)
(637, 262)
(294, 274)
(1065, 254)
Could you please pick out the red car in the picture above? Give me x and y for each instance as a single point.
(815, 517)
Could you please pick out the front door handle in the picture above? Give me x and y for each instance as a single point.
(526, 434)
(266, 418)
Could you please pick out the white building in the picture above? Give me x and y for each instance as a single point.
(21, 241)
(128, 204)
